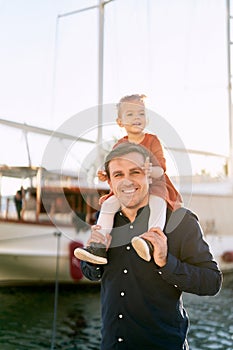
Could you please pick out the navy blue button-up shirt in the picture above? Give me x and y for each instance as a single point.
(142, 303)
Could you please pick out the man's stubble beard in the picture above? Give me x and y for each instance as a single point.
(134, 206)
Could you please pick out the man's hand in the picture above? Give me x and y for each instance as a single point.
(97, 237)
(159, 241)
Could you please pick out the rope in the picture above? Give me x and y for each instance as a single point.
(58, 235)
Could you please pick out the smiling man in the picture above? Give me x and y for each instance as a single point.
(142, 301)
(128, 182)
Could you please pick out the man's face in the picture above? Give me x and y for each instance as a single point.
(128, 180)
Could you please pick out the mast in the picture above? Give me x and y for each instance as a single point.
(100, 8)
(100, 153)
(229, 75)
(100, 70)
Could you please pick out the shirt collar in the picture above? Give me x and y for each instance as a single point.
(146, 207)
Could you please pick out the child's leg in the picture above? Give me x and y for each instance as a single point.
(96, 253)
(158, 211)
(106, 216)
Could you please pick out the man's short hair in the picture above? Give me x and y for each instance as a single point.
(121, 150)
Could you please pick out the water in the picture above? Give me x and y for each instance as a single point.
(211, 319)
(26, 318)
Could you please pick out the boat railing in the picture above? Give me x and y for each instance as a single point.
(203, 164)
(8, 213)
(8, 208)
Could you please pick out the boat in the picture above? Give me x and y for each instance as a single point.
(38, 247)
(212, 201)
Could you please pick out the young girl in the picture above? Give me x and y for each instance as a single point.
(132, 117)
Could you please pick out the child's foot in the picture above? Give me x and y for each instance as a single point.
(142, 247)
(95, 254)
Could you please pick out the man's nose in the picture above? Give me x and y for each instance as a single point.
(127, 180)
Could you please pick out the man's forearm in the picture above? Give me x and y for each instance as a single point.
(92, 272)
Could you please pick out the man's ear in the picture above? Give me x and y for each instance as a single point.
(109, 183)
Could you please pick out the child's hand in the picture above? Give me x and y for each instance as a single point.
(103, 198)
(97, 237)
(147, 167)
(102, 176)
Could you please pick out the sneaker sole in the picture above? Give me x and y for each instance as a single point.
(83, 255)
(141, 248)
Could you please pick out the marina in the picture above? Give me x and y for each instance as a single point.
(63, 168)
(54, 140)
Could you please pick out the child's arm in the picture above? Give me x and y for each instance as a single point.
(156, 172)
(157, 153)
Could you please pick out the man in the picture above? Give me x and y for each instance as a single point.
(141, 301)
(18, 199)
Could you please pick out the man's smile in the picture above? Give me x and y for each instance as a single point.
(129, 191)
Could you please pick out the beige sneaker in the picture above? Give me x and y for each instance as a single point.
(143, 247)
(95, 254)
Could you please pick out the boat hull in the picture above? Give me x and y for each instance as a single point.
(215, 212)
(41, 253)
(32, 253)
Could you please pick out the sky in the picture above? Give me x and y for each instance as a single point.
(174, 51)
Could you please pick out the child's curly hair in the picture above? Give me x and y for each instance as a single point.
(129, 98)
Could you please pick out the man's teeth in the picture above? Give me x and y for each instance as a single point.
(129, 191)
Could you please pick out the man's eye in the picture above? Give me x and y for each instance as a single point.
(117, 175)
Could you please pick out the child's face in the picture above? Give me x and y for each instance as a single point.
(132, 116)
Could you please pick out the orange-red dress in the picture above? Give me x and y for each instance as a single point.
(162, 187)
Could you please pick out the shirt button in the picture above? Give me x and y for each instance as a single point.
(160, 272)
(120, 340)
(125, 271)
(122, 294)
(131, 226)
(120, 213)
(128, 247)
(175, 285)
(97, 268)
(120, 316)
